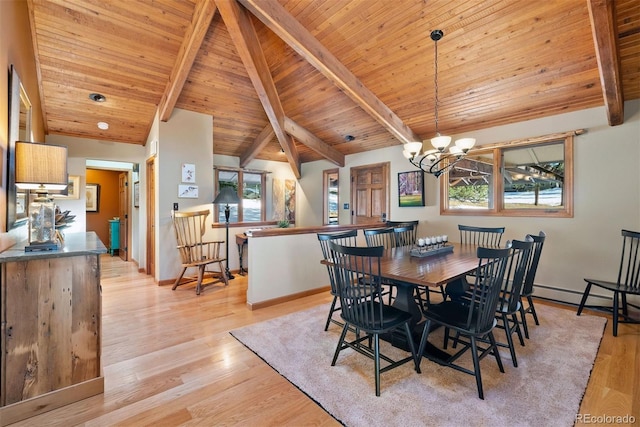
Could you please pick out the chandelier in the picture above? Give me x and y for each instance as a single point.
(436, 161)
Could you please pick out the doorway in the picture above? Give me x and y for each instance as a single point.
(151, 215)
(111, 181)
(370, 193)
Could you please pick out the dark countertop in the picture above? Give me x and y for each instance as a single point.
(74, 244)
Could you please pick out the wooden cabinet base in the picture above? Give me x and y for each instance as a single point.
(46, 402)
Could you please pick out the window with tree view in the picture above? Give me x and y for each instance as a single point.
(249, 186)
(532, 177)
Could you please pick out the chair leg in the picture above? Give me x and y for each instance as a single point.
(585, 295)
(514, 319)
(177, 283)
(200, 276)
(331, 310)
(533, 309)
(412, 347)
(423, 340)
(523, 319)
(507, 331)
(476, 365)
(496, 353)
(615, 313)
(376, 361)
(345, 328)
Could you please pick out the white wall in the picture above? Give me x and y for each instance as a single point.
(186, 138)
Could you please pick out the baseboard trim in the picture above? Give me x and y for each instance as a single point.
(286, 298)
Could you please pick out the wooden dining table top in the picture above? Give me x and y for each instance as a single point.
(398, 265)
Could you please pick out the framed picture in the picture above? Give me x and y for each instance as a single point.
(93, 197)
(188, 172)
(136, 194)
(411, 188)
(72, 191)
(188, 191)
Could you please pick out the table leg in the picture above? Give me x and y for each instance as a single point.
(240, 253)
(405, 301)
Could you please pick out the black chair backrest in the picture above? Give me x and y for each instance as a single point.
(415, 223)
(352, 265)
(492, 265)
(489, 237)
(379, 237)
(538, 242)
(519, 265)
(404, 235)
(344, 238)
(629, 273)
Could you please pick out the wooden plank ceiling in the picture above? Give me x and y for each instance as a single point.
(302, 75)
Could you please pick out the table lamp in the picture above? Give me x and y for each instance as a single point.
(226, 196)
(41, 167)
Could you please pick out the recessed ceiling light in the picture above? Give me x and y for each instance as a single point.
(103, 125)
(97, 97)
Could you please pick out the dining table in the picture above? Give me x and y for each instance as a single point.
(408, 272)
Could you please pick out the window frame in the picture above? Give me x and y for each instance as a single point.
(263, 199)
(497, 181)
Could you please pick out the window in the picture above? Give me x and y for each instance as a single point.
(330, 193)
(249, 185)
(532, 177)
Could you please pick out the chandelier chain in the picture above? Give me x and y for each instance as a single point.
(435, 84)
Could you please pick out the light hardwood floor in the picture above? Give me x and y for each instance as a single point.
(169, 360)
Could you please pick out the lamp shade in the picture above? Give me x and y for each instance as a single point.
(41, 166)
(226, 196)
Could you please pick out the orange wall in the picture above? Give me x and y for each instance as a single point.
(107, 203)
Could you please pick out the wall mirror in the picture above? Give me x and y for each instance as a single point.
(19, 130)
(330, 194)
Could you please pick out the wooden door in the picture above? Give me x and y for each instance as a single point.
(151, 217)
(123, 213)
(369, 193)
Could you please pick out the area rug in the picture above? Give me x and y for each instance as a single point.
(545, 389)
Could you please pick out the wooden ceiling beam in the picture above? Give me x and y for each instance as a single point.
(245, 39)
(605, 37)
(276, 18)
(313, 142)
(193, 38)
(263, 138)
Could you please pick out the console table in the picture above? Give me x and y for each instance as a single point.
(51, 326)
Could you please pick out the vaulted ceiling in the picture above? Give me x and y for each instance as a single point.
(304, 75)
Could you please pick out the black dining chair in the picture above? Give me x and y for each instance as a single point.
(403, 235)
(370, 316)
(382, 237)
(414, 223)
(627, 283)
(473, 318)
(478, 236)
(379, 237)
(527, 288)
(345, 238)
(509, 304)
